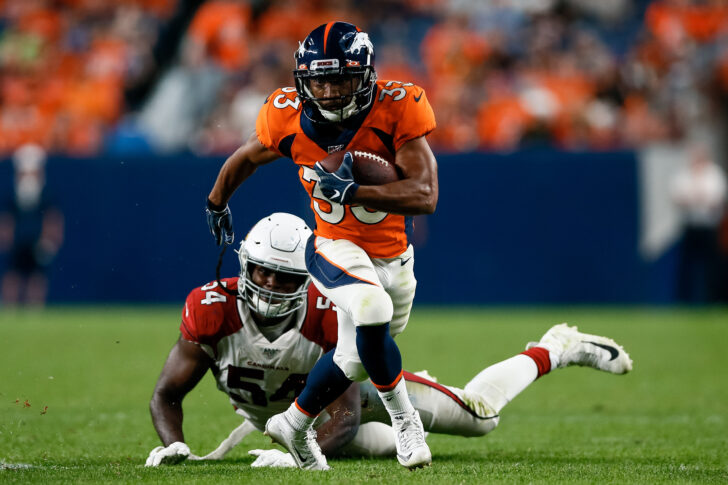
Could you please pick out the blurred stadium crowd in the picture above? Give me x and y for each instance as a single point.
(82, 77)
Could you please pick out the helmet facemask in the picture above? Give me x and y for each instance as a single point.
(267, 303)
(359, 96)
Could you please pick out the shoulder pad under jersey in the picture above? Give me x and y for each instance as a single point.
(210, 313)
(403, 110)
(321, 323)
(278, 118)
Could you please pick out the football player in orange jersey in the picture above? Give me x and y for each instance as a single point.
(262, 341)
(359, 255)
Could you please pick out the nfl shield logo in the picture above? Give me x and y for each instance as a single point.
(269, 352)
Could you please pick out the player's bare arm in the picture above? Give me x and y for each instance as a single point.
(416, 194)
(238, 167)
(345, 415)
(185, 366)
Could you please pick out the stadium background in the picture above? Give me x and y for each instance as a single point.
(559, 123)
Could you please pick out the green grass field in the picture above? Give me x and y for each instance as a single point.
(75, 385)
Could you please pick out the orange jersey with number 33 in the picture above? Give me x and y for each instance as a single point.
(399, 113)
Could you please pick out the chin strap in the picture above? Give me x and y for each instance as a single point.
(217, 274)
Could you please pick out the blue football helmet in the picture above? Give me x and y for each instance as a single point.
(336, 51)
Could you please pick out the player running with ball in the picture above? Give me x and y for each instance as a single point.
(359, 256)
(261, 346)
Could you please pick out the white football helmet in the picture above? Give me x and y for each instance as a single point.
(276, 242)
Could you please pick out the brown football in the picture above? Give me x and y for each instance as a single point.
(368, 168)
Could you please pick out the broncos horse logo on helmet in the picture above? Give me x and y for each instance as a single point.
(360, 41)
(336, 51)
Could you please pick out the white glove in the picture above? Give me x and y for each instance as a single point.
(272, 458)
(170, 455)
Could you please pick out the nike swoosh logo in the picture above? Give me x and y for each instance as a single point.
(417, 98)
(612, 351)
(300, 458)
(336, 194)
(404, 261)
(405, 457)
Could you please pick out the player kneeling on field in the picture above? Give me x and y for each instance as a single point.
(261, 345)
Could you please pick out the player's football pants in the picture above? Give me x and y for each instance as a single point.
(365, 291)
(443, 409)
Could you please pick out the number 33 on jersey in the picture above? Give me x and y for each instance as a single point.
(400, 113)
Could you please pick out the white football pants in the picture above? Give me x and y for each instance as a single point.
(472, 411)
(365, 291)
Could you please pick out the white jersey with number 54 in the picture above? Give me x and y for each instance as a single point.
(261, 377)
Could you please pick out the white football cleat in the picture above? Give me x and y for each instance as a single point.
(409, 437)
(301, 445)
(571, 347)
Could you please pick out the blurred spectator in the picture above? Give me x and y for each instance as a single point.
(213, 52)
(699, 190)
(502, 74)
(31, 228)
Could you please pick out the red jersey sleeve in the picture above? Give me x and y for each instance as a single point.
(210, 314)
(321, 323)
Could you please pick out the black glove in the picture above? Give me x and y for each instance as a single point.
(338, 186)
(220, 223)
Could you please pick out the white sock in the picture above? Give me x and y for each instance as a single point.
(501, 382)
(397, 401)
(298, 419)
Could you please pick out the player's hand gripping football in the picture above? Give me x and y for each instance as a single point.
(170, 455)
(220, 223)
(338, 186)
(272, 459)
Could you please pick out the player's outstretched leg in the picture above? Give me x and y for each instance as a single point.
(567, 346)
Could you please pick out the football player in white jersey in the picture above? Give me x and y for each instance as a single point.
(260, 342)
(261, 345)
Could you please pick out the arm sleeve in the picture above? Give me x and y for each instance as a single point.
(417, 118)
(321, 325)
(188, 327)
(263, 125)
